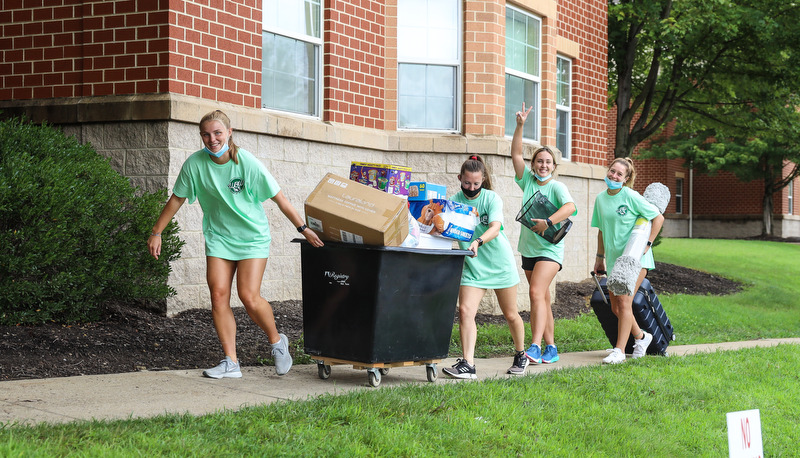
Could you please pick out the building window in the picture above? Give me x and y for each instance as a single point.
(679, 195)
(428, 64)
(291, 57)
(523, 74)
(791, 198)
(563, 104)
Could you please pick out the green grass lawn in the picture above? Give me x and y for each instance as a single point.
(655, 406)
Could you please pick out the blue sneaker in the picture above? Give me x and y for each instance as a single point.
(550, 354)
(534, 354)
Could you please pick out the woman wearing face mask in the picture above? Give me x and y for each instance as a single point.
(541, 260)
(231, 184)
(615, 213)
(490, 267)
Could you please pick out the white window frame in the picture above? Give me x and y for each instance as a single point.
(566, 153)
(294, 35)
(790, 198)
(512, 106)
(423, 59)
(679, 185)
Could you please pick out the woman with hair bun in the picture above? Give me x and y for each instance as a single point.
(491, 266)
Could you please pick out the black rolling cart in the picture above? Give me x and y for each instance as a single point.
(378, 307)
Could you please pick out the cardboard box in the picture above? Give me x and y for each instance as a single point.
(446, 218)
(341, 210)
(422, 190)
(393, 179)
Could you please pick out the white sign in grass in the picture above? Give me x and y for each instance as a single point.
(744, 434)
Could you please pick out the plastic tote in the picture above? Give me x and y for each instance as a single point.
(540, 207)
(379, 304)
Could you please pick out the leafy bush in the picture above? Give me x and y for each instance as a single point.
(72, 230)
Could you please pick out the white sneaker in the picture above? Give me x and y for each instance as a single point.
(615, 356)
(640, 345)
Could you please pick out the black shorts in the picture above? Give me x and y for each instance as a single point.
(528, 263)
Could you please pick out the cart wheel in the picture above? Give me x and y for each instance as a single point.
(374, 377)
(384, 370)
(431, 370)
(323, 370)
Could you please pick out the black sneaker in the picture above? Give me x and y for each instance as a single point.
(461, 369)
(520, 364)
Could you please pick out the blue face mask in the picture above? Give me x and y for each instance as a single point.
(220, 153)
(613, 184)
(542, 179)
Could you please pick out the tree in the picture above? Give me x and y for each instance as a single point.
(757, 143)
(668, 57)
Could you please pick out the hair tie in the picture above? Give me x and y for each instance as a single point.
(473, 157)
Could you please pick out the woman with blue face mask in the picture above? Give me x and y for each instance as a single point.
(615, 213)
(230, 184)
(541, 259)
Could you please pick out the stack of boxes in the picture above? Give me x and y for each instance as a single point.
(372, 208)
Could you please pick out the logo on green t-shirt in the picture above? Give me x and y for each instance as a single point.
(484, 219)
(622, 210)
(236, 185)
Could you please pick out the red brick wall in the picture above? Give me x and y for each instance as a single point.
(69, 48)
(355, 44)
(484, 67)
(781, 198)
(586, 22)
(211, 49)
(724, 194)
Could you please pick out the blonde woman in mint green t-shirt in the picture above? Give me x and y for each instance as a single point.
(541, 260)
(491, 267)
(615, 213)
(231, 184)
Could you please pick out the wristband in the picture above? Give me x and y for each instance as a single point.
(300, 229)
(549, 223)
(155, 235)
(649, 243)
(480, 241)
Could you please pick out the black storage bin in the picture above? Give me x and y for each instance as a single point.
(379, 304)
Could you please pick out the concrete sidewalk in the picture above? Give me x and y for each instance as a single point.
(147, 394)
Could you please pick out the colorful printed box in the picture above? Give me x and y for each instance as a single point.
(393, 179)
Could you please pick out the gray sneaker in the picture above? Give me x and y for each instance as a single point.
(225, 368)
(280, 351)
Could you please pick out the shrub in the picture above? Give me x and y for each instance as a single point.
(72, 230)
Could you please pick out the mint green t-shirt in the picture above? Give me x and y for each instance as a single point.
(531, 244)
(235, 226)
(494, 266)
(615, 216)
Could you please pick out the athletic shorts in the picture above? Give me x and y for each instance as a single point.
(528, 263)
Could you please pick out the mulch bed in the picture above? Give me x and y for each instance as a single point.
(129, 339)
